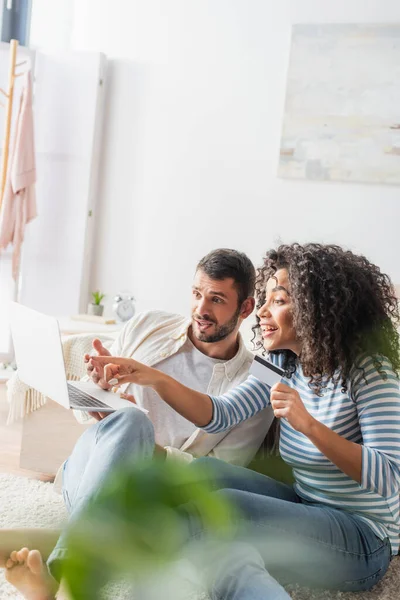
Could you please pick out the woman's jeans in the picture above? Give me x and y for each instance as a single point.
(279, 537)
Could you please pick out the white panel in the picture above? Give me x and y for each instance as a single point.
(68, 121)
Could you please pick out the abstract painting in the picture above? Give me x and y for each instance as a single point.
(342, 110)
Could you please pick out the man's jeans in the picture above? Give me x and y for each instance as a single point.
(125, 435)
(280, 538)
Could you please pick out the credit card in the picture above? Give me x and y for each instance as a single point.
(265, 371)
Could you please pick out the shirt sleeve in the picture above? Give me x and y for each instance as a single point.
(377, 397)
(238, 404)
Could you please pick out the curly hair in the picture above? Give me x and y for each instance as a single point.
(344, 308)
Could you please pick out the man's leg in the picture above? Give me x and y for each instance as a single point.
(126, 435)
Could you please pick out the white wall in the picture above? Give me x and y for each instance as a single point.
(195, 102)
(51, 24)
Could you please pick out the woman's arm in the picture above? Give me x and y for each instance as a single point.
(378, 407)
(375, 463)
(194, 406)
(214, 414)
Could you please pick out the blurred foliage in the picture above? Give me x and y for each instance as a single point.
(137, 524)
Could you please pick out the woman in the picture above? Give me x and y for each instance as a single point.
(329, 318)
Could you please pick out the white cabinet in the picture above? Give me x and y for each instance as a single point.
(68, 117)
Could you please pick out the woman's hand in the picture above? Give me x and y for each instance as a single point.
(287, 404)
(125, 370)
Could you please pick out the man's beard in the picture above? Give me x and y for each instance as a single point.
(221, 331)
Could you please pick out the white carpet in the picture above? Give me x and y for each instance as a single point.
(30, 503)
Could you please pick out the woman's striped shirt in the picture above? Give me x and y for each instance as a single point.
(367, 414)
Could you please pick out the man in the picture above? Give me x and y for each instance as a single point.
(205, 352)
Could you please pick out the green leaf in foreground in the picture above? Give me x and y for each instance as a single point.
(137, 524)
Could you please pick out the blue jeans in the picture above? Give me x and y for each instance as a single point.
(280, 539)
(283, 540)
(125, 435)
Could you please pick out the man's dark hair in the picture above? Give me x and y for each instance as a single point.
(224, 263)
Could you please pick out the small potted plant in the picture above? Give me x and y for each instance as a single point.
(96, 307)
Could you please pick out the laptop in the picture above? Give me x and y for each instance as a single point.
(40, 362)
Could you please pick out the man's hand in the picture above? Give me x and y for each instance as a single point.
(99, 416)
(96, 374)
(287, 404)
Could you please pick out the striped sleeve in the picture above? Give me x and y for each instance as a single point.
(377, 399)
(238, 404)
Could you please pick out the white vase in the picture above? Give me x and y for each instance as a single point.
(95, 309)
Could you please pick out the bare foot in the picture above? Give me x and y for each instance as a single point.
(42, 539)
(25, 571)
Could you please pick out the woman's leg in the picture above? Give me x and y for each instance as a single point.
(235, 571)
(226, 476)
(292, 542)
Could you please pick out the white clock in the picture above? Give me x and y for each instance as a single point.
(124, 306)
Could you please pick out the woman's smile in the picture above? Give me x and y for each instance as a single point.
(267, 330)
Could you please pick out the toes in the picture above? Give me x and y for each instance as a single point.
(17, 557)
(35, 562)
(22, 555)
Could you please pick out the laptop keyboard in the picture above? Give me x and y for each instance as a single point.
(79, 399)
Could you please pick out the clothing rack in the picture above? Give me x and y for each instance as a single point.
(9, 95)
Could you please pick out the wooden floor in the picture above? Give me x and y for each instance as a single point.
(10, 444)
